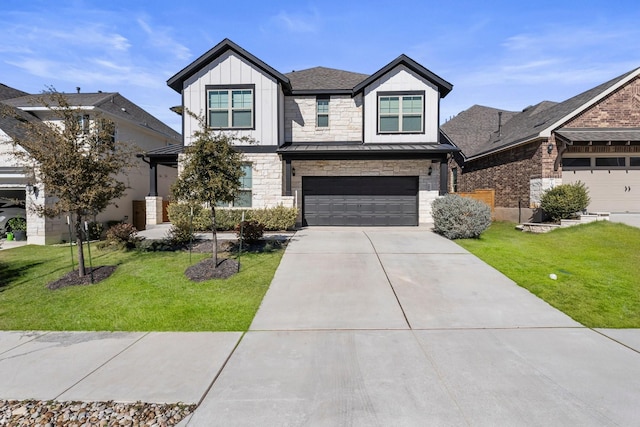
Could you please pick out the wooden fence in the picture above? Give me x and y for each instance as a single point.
(485, 195)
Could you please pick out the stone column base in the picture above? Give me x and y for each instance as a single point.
(153, 210)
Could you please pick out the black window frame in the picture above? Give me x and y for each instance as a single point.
(230, 88)
(400, 94)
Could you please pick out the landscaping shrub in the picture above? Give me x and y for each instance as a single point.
(179, 236)
(180, 213)
(458, 217)
(95, 230)
(565, 200)
(252, 230)
(227, 219)
(273, 219)
(123, 235)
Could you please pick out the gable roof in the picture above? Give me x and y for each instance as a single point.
(177, 81)
(471, 128)
(320, 80)
(537, 121)
(444, 87)
(7, 92)
(111, 103)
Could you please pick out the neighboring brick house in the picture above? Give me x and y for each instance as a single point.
(132, 125)
(593, 137)
(347, 148)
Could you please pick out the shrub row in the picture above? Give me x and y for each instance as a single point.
(273, 219)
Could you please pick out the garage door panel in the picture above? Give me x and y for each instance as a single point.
(610, 191)
(360, 201)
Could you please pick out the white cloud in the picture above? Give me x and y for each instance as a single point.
(160, 37)
(298, 23)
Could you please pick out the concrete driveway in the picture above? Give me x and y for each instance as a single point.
(381, 327)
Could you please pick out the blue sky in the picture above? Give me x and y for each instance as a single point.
(504, 54)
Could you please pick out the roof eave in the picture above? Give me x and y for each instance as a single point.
(548, 130)
(524, 141)
(176, 82)
(444, 87)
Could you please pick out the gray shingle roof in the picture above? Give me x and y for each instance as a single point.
(523, 126)
(324, 79)
(472, 128)
(7, 92)
(108, 102)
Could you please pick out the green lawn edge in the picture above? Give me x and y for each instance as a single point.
(147, 292)
(596, 266)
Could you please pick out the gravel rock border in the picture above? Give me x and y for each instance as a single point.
(16, 413)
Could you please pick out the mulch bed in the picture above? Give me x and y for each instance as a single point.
(205, 270)
(72, 278)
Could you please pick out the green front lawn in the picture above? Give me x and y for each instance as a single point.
(147, 292)
(596, 264)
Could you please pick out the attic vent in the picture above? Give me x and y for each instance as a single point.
(540, 124)
(527, 108)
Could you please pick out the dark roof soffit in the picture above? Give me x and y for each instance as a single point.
(443, 85)
(178, 79)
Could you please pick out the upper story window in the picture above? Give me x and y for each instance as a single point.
(401, 113)
(84, 123)
(322, 111)
(230, 108)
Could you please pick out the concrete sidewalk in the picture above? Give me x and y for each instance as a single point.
(360, 327)
(157, 367)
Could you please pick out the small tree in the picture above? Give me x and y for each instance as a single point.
(76, 160)
(210, 173)
(565, 200)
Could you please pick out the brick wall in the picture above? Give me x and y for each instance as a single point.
(509, 173)
(621, 109)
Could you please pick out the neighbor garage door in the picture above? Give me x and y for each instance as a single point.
(360, 200)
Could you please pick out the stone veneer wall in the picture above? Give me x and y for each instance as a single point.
(428, 186)
(267, 183)
(345, 119)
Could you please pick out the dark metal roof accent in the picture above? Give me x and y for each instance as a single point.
(324, 150)
(444, 86)
(167, 150)
(108, 102)
(323, 80)
(599, 134)
(177, 81)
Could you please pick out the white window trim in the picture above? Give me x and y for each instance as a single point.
(318, 113)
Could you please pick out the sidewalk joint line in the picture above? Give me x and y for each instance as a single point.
(102, 365)
(615, 340)
(388, 280)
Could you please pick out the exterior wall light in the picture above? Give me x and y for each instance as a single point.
(293, 171)
(549, 148)
(430, 170)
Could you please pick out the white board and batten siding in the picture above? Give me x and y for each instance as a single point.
(231, 69)
(401, 79)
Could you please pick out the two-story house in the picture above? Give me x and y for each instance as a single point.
(131, 124)
(346, 148)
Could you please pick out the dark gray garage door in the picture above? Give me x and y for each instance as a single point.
(360, 200)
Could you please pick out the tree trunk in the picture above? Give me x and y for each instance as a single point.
(215, 235)
(81, 270)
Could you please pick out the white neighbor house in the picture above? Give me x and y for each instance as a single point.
(346, 148)
(132, 125)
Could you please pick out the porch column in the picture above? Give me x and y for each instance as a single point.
(153, 178)
(444, 177)
(287, 177)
